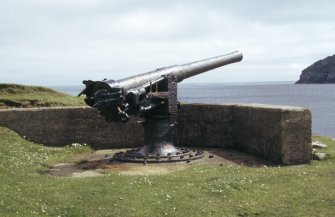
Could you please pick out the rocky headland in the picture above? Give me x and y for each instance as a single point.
(320, 72)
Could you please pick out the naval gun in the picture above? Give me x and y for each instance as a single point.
(152, 96)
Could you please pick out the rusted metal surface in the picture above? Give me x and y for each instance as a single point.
(176, 155)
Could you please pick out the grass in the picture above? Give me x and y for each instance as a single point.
(27, 190)
(22, 96)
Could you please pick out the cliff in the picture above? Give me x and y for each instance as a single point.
(322, 71)
(23, 96)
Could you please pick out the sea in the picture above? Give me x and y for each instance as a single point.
(319, 98)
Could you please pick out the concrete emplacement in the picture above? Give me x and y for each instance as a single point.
(280, 134)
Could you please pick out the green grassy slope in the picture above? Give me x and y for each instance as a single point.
(22, 96)
(27, 190)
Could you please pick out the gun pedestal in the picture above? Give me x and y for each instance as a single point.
(159, 127)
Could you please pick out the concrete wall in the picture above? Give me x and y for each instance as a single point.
(204, 125)
(278, 133)
(67, 125)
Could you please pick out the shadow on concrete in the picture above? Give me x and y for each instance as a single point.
(239, 158)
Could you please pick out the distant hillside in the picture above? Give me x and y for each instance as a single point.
(22, 96)
(322, 71)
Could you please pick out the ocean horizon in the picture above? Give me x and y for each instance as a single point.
(319, 98)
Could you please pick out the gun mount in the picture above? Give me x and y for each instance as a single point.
(153, 96)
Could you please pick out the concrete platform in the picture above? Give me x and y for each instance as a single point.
(97, 163)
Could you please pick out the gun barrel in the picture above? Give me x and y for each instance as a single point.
(198, 67)
(182, 71)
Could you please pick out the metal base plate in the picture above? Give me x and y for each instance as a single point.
(134, 156)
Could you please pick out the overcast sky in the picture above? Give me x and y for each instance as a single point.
(62, 42)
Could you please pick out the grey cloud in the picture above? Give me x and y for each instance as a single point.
(68, 41)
